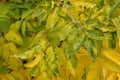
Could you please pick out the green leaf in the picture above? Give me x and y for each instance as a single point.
(75, 41)
(72, 64)
(90, 24)
(4, 9)
(51, 58)
(112, 39)
(38, 45)
(23, 29)
(15, 13)
(4, 69)
(37, 12)
(98, 47)
(113, 7)
(90, 46)
(45, 69)
(16, 1)
(53, 38)
(17, 25)
(94, 35)
(65, 31)
(29, 53)
(4, 24)
(26, 13)
(26, 5)
(29, 27)
(116, 21)
(34, 71)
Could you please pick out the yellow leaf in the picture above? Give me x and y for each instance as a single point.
(12, 47)
(54, 78)
(2, 77)
(52, 20)
(9, 49)
(15, 63)
(109, 64)
(83, 61)
(14, 36)
(39, 77)
(95, 72)
(84, 4)
(82, 17)
(112, 76)
(18, 75)
(118, 75)
(112, 55)
(111, 60)
(63, 71)
(9, 77)
(34, 62)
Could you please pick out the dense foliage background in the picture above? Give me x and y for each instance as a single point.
(59, 39)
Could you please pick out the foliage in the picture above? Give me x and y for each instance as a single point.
(59, 39)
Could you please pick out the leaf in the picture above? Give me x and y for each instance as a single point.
(80, 71)
(36, 47)
(37, 12)
(111, 60)
(39, 77)
(113, 7)
(4, 70)
(26, 13)
(90, 45)
(15, 63)
(14, 36)
(34, 71)
(4, 24)
(2, 43)
(98, 47)
(116, 21)
(23, 29)
(12, 48)
(8, 50)
(53, 37)
(34, 62)
(76, 45)
(29, 26)
(17, 25)
(51, 58)
(76, 41)
(86, 4)
(65, 30)
(72, 64)
(18, 1)
(96, 70)
(9, 77)
(4, 9)
(112, 76)
(3, 77)
(18, 75)
(112, 39)
(94, 35)
(45, 69)
(52, 20)
(90, 24)
(15, 12)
